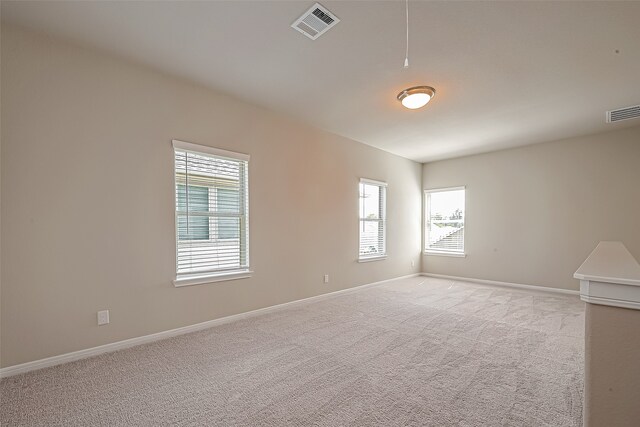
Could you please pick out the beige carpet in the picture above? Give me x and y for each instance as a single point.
(414, 352)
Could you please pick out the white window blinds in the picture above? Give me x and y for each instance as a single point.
(372, 219)
(212, 231)
(444, 215)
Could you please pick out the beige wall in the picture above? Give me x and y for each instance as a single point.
(612, 371)
(535, 213)
(87, 201)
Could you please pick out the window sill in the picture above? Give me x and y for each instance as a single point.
(451, 254)
(372, 258)
(200, 279)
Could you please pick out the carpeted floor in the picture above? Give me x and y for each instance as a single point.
(413, 352)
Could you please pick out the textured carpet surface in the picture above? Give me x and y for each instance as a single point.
(413, 352)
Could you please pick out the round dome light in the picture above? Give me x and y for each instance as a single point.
(416, 97)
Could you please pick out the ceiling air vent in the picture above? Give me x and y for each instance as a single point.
(623, 114)
(315, 21)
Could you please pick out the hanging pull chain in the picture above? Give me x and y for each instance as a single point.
(406, 56)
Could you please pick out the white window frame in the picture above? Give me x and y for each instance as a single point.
(425, 214)
(382, 220)
(185, 279)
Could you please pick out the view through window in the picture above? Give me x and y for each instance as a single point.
(444, 214)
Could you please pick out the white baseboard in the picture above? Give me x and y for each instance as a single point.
(505, 284)
(119, 345)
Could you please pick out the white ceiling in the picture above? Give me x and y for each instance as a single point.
(506, 73)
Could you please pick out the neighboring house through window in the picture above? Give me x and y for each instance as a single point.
(372, 220)
(198, 202)
(444, 221)
(228, 203)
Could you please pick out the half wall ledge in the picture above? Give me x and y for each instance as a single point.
(610, 276)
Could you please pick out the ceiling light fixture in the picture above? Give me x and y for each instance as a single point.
(416, 97)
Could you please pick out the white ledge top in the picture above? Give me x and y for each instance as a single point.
(610, 262)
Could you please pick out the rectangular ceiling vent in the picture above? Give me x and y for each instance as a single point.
(623, 114)
(315, 21)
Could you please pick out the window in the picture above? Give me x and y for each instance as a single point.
(372, 220)
(212, 221)
(444, 216)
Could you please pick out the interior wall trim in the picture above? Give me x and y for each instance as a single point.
(504, 284)
(132, 342)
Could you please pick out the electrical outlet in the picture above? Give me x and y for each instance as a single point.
(103, 317)
(326, 278)
(413, 263)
